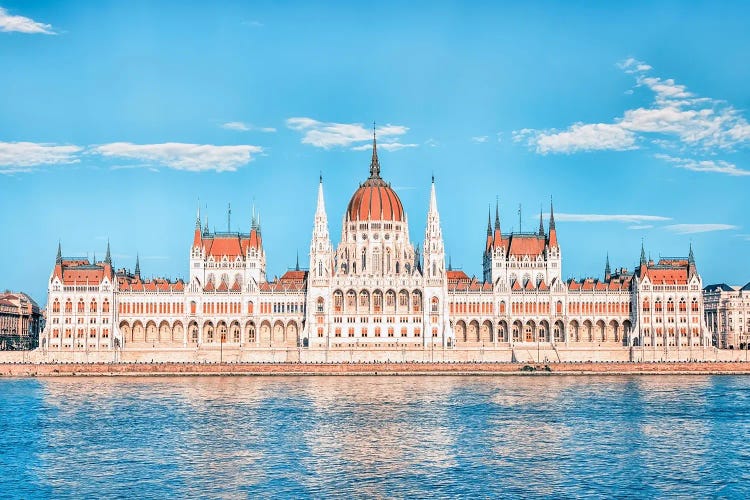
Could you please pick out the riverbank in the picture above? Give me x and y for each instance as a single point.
(282, 369)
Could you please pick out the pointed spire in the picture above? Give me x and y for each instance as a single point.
(497, 213)
(296, 266)
(433, 198)
(374, 163)
(643, 254)
(691, 257)
(450, 263)
(489, 222)
(108, 256)
(541, 222)
(552, 231)
(229, 217)
(137, 265)
(607, 270)
(94, 261)
(321, 208)
(205, 226)
(198, 216)
(59, 253)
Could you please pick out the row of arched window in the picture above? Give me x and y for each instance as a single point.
(81, 306)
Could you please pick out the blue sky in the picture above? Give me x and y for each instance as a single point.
(116, 117)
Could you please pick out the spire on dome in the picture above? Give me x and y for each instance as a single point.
(108, 256)
(374, 163)
(137, 265)
(59, 253)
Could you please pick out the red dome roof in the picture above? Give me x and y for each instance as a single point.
(375, 199)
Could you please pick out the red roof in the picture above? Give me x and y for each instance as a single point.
(375, 200)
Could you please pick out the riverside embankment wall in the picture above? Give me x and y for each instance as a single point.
(518, 353)
(459, 368)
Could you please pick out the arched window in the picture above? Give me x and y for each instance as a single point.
(56, 306)
(670, 305)
(646, 305)
(319, 305)
(92, 306)
(434, 304)
(657, 305)
(364, 260)
(388, 260)
(320, 268)
(694, 305)
(80, 306)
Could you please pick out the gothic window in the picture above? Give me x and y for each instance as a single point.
(670, 305)
(403, 299)
(364, 300)
(319, 305)
(434, 269)
(646, 305)
(398, 268)
(434, 306)
(377, 301)
(80, 306)
(338, 301)
(320, 268)
(56, 306)
(92, 306)
(416, 301)
(694, 305)
(364, 260)
(351, 300)
(390, 299)
(388, 260)
(657, 305)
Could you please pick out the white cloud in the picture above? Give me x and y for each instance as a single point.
(579, 137)
(23, 24)
(245, 127)
(632, 219)
(480, 139)
(675, 115)
(22, 156)
(698, 228)
(641, 226)
(329, 135)
(717, 166)
(180, 156)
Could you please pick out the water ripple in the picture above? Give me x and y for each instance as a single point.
(382, 437)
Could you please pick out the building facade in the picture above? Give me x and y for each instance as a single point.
(727, 311)
(375, 289)
(21, 322)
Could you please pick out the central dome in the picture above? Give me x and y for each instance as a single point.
(375, 200)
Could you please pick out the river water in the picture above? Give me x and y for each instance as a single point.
(364, 436)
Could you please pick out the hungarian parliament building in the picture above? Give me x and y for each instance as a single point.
(375, 289)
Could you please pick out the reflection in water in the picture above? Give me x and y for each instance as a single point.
(375, 436)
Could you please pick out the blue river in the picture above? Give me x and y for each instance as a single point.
(383, 437)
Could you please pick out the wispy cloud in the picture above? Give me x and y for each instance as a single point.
(631, 219)
(675, 115)
(181, 156)
(640, 226)
(698, 228)
(246, 127)
(479, 139)
(718, 166)
(23, 24)
(24, 156)
(329, 135)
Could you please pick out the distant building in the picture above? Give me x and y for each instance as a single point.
(20, 322)
(727, 311)
(375, 289)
